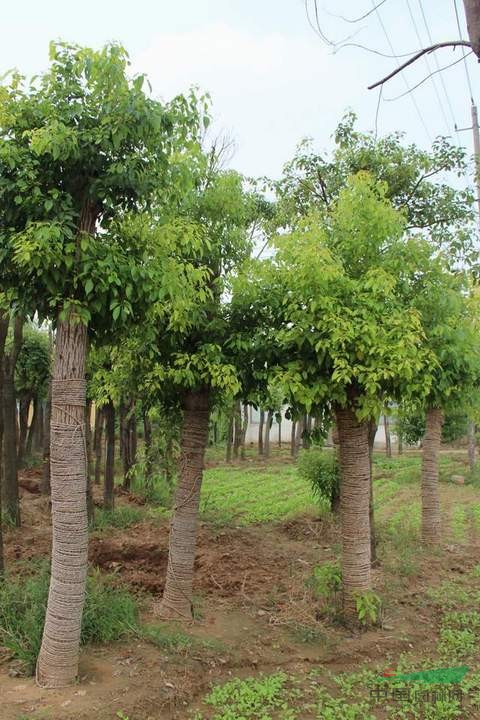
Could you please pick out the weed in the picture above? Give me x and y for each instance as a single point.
(110, 613)
(368, 606)
(330, 708)
(251, 698)
(122, 517)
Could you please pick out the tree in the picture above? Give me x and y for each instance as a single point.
(10, 465)
(80, 147)
(344, 336)
(32, 374)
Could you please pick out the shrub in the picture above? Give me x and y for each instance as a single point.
(321, 469)
(110, 613)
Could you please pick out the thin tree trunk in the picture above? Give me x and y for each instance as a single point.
(280, 430)
(33, 429)
(57, 664)
(400, 441)
(125, 442)
(354, 504)
(293, 436)
(237, 426)
(372, 431)
(147, 436)
(230, 435)
(335, 499)
(268, 426)
(98, 441)
(472, 450)
(11, 503)
(388, 440)
(23, 411)
(45, 482)
(244, 432)
(177, 595)
(38, 436)
(431, 519)
(307, 425)
(298, 436)
(3, 336)
(88, 438)
(260, 432)
(109, 479)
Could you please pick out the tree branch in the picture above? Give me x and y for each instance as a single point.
(431, 48)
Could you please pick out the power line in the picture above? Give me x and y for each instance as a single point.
(340, 44)
(428, 77)
(362, 17)
(463, 52)
(414, 102)
(417, 33)
(429, 34)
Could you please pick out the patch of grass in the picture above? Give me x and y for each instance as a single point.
(250, 495)
(122, 517)
(110, 613)
(459, 523)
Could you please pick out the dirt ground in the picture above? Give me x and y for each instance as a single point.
(255, 614)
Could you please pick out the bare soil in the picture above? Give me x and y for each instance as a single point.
(256, 613)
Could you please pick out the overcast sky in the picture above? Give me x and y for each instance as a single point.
(272, 80)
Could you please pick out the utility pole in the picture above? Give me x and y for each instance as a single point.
(476, 154)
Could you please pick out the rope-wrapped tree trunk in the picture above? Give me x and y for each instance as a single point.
(177, 595)
(58, 660)
(354, 507)
(431, 521)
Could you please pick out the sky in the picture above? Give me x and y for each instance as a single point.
(272, 79)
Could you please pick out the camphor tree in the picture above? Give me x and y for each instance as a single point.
(79, 146)
(416, 183)
(450, 317)
(330, 303)
(183, 359)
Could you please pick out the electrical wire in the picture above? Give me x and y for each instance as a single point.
(362, 17)
(429, 34)
(427, 63)
(469, 83)
(414, 102)
(428, 77)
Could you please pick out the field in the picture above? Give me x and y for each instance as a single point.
(266, 642)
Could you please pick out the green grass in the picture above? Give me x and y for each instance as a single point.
(249, 495)
(110, 613)
(123, 517)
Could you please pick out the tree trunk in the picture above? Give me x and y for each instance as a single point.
(33, 429)
(244, 432)
(431, 520)
(147, 436)
(3, 336)
(230, 435)
(57, 664)
(45, 482)
(125, 442)
(307, 425)
(268, 426)
(237, 425)
(388, 440)
(472, 450)
(23, 411)
(372, 431)
(293, 435)
(400, 441)
(298, 436)
(280, 430)
(11, 505)
(354, 508)
(88, 439)
(177, 595)
(109, 479)
(335, 499)
(97, 443)
(260, 432)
